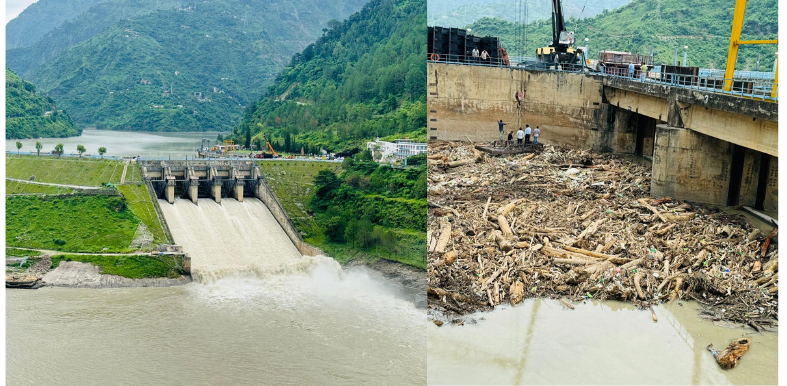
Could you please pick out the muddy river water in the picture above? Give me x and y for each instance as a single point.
(542, 342)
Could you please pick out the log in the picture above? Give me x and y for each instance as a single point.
(504, 227)
(454, 164)
(653, 314)
(450, 257)
(632, 264)
(439, 292)
(445, 236)
(502, 242)
(573, 261)
(504, 210)
(767, 241)
(663, 231)
(586, 215)
(637, 279)
(644, 202)
(567, 304)
(522, 244)
(675, 291)
(486, 207)
(516, 292)
(591, 229)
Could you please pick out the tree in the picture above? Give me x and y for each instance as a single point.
(59, 149)
(365, 232)
(366, 155)
(351, 231)
(80, 150)
(39, 146)
(18, 146)
(389, 240)
(102, 150)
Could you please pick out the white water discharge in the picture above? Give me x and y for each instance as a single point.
(233, 239)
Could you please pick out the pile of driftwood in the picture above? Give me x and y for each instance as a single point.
(576, 225)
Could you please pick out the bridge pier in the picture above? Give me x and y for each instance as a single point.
(171, 189)
(193, 190)
(215, 191)
(238, 191)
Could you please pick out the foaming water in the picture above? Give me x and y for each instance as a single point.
(233, 239)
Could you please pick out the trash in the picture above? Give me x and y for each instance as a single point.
(583, 225)
(730, 356)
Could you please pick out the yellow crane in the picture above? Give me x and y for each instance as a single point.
(735, 42)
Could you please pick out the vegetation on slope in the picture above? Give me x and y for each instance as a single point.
(73, 223)
(514, 10)
(371, 209)
(142, 206)
(29, 114)
(73, 171)
(18, 187)
(641, 26)
(213, 56)
(293, 184)
(365, 77)
(133, 266)
(89, 18)
(41, 17)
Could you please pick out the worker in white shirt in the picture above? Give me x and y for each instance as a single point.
(536, 133)
(519, 135)
(527, 133)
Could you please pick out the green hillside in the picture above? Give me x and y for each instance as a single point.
(41, 17)
(86, 18)
(366, 77)
(214, 56)
(514, 10)
(29, 114)
(702, 25)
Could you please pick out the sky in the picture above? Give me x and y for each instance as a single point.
(15, 7)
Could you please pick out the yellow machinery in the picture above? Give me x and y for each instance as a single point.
(735, 41)
(560, 50)
(229, 147)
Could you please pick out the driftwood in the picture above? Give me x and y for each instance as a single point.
(445, 236)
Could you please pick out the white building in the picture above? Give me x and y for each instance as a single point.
(400, 149)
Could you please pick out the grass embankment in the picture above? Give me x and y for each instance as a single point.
(72, 223)
(140, 203)
(133, 174)
(134, 267)
(14, 252)
(68, 171)
(17, 187)
(293, 182)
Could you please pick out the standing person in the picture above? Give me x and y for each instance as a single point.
(510, 136)
(536, 133)
(475, 55)
(631, 70)
(527, 133)
(519, 135)
(484, 55)
(500, 125)
(643, 72)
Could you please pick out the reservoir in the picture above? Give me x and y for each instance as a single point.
(122, 143)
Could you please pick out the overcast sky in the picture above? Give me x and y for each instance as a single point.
(15, 7)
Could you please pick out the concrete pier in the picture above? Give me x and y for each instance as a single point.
(238, 193)
(215, 191)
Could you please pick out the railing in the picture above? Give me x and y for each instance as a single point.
(745, 84)
(752, 88)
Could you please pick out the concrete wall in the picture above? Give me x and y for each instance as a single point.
(772, 189)
(690, 166)
(269, 199)
(466, 101)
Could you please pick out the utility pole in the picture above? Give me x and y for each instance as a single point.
(675, 57)
(685, 55)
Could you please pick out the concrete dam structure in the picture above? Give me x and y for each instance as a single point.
(223, 209)
(705, 147)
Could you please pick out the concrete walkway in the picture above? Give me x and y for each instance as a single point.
(52, 253)
(58, 185)
(125, 168)
(84, 275)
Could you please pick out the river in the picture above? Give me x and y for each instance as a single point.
(122, 143)
(258, 313)
(542, 342)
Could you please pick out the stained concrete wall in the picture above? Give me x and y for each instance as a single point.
(266, 195)
(772, 188)
(690, 166)
(466, 101)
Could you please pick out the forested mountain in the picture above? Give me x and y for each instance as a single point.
(188, 68)
(365, 77)
(88, 22)
(644, 25)
(29, 114)
(514, 10)
(41, 17)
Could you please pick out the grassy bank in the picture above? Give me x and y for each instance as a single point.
(134, 267)
(69, 171)
(71, 223)
(140, 203)
(410, 250)
(14, 252)
(293, 182)
(17, 187)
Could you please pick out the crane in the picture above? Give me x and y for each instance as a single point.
(560, 50)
